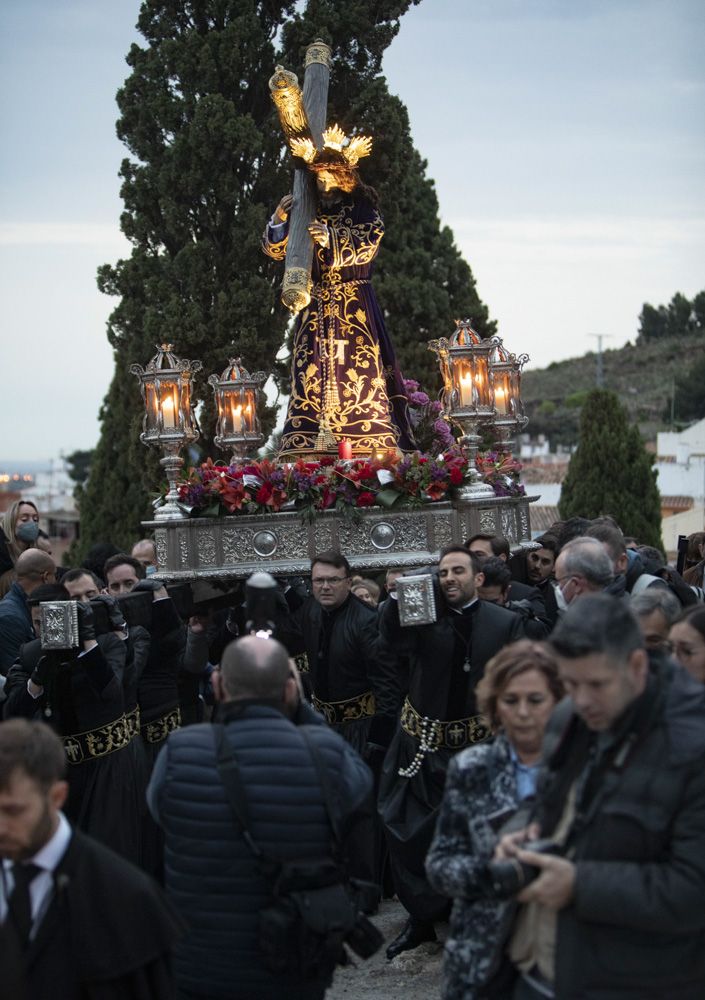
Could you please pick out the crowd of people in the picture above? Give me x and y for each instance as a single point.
(527, 766)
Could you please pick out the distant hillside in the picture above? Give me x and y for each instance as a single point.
(642, 376)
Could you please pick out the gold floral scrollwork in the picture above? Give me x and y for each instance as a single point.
(336, 713)
(296, 288)
(289, 102)
(99, 742)
(159, 729)
(318, 52)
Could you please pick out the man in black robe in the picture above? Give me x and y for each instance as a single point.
(77, 922)
(439, 717)
(79, 693)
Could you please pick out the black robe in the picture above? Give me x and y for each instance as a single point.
(440, 689)
(83, 694)
(106, 935)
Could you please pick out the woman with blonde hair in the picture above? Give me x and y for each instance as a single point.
(19, 530)
(485, 786)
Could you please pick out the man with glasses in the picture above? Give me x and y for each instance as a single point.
(352, 685)
(582, 567)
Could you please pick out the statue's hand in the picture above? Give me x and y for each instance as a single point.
(284, 207)
(319, 234)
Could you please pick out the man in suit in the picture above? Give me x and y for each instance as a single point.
(439, 717)
(77, 922)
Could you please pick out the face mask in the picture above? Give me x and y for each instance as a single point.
(151, 570)
(560, 599)
(27, 532)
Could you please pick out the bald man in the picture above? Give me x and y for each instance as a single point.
(33, 568)
(211, 873)
(145, 552)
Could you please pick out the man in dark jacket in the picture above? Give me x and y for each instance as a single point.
(439, 717)
(77, 922)
(212, 874)
(353, 684)
(624, 796)
(33, 569)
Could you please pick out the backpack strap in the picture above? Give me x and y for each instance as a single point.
(229, 772)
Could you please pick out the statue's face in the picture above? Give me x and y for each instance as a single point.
(326, 182)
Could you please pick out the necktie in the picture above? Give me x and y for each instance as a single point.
(20, 903)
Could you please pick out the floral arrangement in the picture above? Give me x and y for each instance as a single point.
(432, 431)
(501, 471)
(255, 487)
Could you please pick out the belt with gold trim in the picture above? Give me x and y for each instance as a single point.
(159, 729)
(100, 742)
(334, 281)
(453, 734)
(336, 713)
(133, 722)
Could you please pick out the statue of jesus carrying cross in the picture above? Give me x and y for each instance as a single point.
(345, 381)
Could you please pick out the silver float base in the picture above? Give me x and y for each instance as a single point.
(235, 547)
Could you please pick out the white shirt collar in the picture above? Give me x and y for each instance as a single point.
(49, 856)
(459, 611)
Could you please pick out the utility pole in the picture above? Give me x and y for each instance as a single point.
(599, 369)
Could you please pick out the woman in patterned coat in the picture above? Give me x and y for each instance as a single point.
(486, 785)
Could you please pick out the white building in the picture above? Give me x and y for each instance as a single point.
(680, 467)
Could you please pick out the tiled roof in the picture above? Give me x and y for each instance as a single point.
(677, 503)
(535, 473)
(542, 518)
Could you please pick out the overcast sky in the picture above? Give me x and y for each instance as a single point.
(565, 137)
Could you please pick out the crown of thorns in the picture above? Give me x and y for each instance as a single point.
(337, 149)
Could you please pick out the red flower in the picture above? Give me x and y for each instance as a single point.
(276, 500)
(456, 476)
(264, 493)
(234, 496)
(327, 499)
(436, 490)
(328, 460)
(365, 499)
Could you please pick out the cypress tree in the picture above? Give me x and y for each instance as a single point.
(206, 164)
(611, 472)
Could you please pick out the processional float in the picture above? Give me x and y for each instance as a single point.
(481, 390)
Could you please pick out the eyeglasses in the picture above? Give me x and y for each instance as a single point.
(560, 580)
(326, 581)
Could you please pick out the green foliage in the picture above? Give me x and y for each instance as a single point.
(576, 399)
(611, 472)
(547, 408)
(679, 317)
(206, 167)
(689, 393)
(79, 465)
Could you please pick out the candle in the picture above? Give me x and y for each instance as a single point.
(168, 416)
(466, 389)
(500, 399)
(344, 448)
(236, 413)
